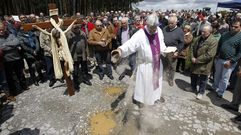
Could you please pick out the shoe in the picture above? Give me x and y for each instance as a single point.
(219, 96)
(121, 76)
(77, 88)
(87, 82)
(25, 88)
(230, 107)
(101, 76)
(111, 77)
(199, 96)
(41, 81)
(52, 82)
(61, 80)
(238, 118)
(36, 83)
(171, 83)
(162, 100)
(11, 98)
(211, 89)
(89, 76)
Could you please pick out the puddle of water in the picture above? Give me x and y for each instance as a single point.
(102, 123)
(113, 91)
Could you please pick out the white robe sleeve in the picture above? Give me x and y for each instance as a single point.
(132, 45)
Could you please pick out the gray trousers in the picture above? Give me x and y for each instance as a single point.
(171, 67)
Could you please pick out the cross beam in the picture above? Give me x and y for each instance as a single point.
(45, 25)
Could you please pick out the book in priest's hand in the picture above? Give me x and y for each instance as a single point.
(170, 49)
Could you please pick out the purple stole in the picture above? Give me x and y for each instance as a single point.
(155, 49)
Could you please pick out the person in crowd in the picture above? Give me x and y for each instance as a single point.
(124, 34)
(13, 61)
(30, 49)
(45, 44)
(137, 23)
(216, 30)
(224, 27)
(236, 100)
(9, 23)
(200, 24)
(228, 53)
(117, 26)
(182, 57)
(77, 41)
(173, 36)
(100, 38)
(203, 51)
(163, 21)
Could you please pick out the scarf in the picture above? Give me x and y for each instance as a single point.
(155, 49)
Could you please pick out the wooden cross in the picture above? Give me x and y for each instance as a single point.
(44, 25)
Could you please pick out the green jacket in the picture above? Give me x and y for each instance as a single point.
(205, 55)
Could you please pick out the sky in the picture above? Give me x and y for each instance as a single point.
(178, 4)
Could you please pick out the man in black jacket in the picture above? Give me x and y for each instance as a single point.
(12, 61)
(77, 41)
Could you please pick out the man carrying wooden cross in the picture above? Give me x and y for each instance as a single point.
(59, 48)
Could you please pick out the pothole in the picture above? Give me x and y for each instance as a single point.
(113, 91)
(102, 123)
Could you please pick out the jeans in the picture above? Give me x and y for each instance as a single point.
(222, 75)
(103, 57)
(50, 67)
(202, 82)
(180, 62)
(172, 64)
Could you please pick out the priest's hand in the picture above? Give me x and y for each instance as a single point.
(115, 55)
(175, 55)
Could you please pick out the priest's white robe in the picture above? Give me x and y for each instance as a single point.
(144, 91)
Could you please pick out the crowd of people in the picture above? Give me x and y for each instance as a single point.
(208, 47)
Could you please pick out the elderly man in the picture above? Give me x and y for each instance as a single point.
(124, 34)
(149, 44)
(228, 53)
(100, 38)
(173, 36)
(202, 53)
